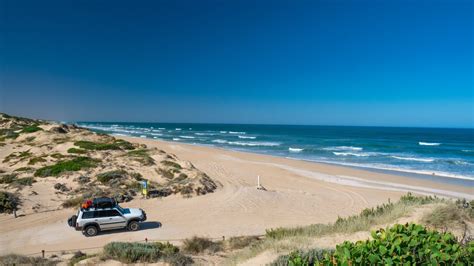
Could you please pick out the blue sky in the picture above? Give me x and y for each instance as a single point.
(391, 63)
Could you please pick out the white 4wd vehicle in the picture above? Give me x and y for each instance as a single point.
(105, 214)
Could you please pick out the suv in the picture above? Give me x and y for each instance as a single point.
(105, 214)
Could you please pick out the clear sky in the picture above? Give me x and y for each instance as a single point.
(334, 62)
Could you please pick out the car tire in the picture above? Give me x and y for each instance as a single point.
(91, 230)
(133, 226)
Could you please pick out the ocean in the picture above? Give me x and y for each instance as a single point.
(440, 154)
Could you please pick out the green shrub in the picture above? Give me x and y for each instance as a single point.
(104, 178)
(13, 180)
(141, 156)
(75, 164)
(196, 245)
(8, 202)
(115, 145)
(30, 129)
(24, 169)
(409, 244)
(17, 155)
(76, 151)
(171, 164)
(15, 259)
(145, 253)
(25, 181)
(8, 178)
(36, 160)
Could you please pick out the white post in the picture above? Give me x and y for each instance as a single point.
(258, 181)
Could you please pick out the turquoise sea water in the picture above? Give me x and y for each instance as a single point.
(445, 155)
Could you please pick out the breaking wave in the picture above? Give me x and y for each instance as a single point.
(295, 149)
(429, 143)
(414, 159)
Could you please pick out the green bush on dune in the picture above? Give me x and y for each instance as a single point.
(30, 129)
(115, 145)
(76, 151)
(60, 167)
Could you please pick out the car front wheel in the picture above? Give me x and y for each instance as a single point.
(133, 226)
(91, 230)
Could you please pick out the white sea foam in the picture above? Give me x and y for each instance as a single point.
(161, 128)
(187, 137)
(426, 160)
(221, 141)
(351, 154)
(142, 136)
(156, 134)
(267, 144)
(343, 148)
(295, 149)
(176, 139)
(223, 132)
(204, 134)
(247, 137)
(237, 132)
(177, 129)
(467, 150)
(428, 143)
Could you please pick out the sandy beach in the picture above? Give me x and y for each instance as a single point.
(297, 193)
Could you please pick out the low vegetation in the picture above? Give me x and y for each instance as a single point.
(196, 245)
(448, 215)
(100, 146)
(145, 253)
(106, 177)
(18, 156)
(409, 244)
(13, 180)
(141, 156)
(60, 167)
(8, 202)
(76, 151)
(15, 259)
(171, 164)
(31, 129)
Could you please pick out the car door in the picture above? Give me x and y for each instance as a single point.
(115, 219)
(101, 217)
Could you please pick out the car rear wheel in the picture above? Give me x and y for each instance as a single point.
(133, 226)
(91, 230)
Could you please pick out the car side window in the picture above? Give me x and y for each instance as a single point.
(87, 215)
(113, 213)
(100, 214)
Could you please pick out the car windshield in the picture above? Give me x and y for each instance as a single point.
(120, 210)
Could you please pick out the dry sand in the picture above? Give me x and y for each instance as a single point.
(298, 193)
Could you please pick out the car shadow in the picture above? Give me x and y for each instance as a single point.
(143, 226)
